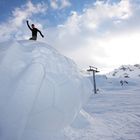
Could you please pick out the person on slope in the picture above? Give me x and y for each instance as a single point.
(34, 31)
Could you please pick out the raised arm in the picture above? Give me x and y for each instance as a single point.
(40, 33)
(28, 25)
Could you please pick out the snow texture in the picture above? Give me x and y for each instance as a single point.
(112, 114)
(41, 91)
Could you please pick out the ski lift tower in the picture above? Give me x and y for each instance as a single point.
(93, 70)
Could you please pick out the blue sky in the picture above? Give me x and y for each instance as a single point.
(54, 16)
(7, 6)
(102, 33)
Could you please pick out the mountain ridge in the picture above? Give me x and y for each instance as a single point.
(125, 71)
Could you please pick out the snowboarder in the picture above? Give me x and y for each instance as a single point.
(34, 31)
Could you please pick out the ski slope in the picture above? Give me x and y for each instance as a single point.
(41, 91)
(112, 114)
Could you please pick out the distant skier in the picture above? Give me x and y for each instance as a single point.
(34, 31)
(121, 82)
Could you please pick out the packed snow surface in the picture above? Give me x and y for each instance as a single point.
(41, 91)
(112, 114)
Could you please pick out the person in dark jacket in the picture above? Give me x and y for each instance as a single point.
(34, 31)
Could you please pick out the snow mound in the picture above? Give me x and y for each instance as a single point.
(41, 91)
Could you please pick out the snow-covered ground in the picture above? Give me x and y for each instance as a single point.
(42, 94)
(112, 114)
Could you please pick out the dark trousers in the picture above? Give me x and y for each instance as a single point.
(33, 38)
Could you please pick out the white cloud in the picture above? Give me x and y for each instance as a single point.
(121, 10)
(54, 4)
(86, 37)
(97, 36)
(26, 11)
(122, 49)
(65, 3)
(92, 18)
(14, 25)
(59, 4)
